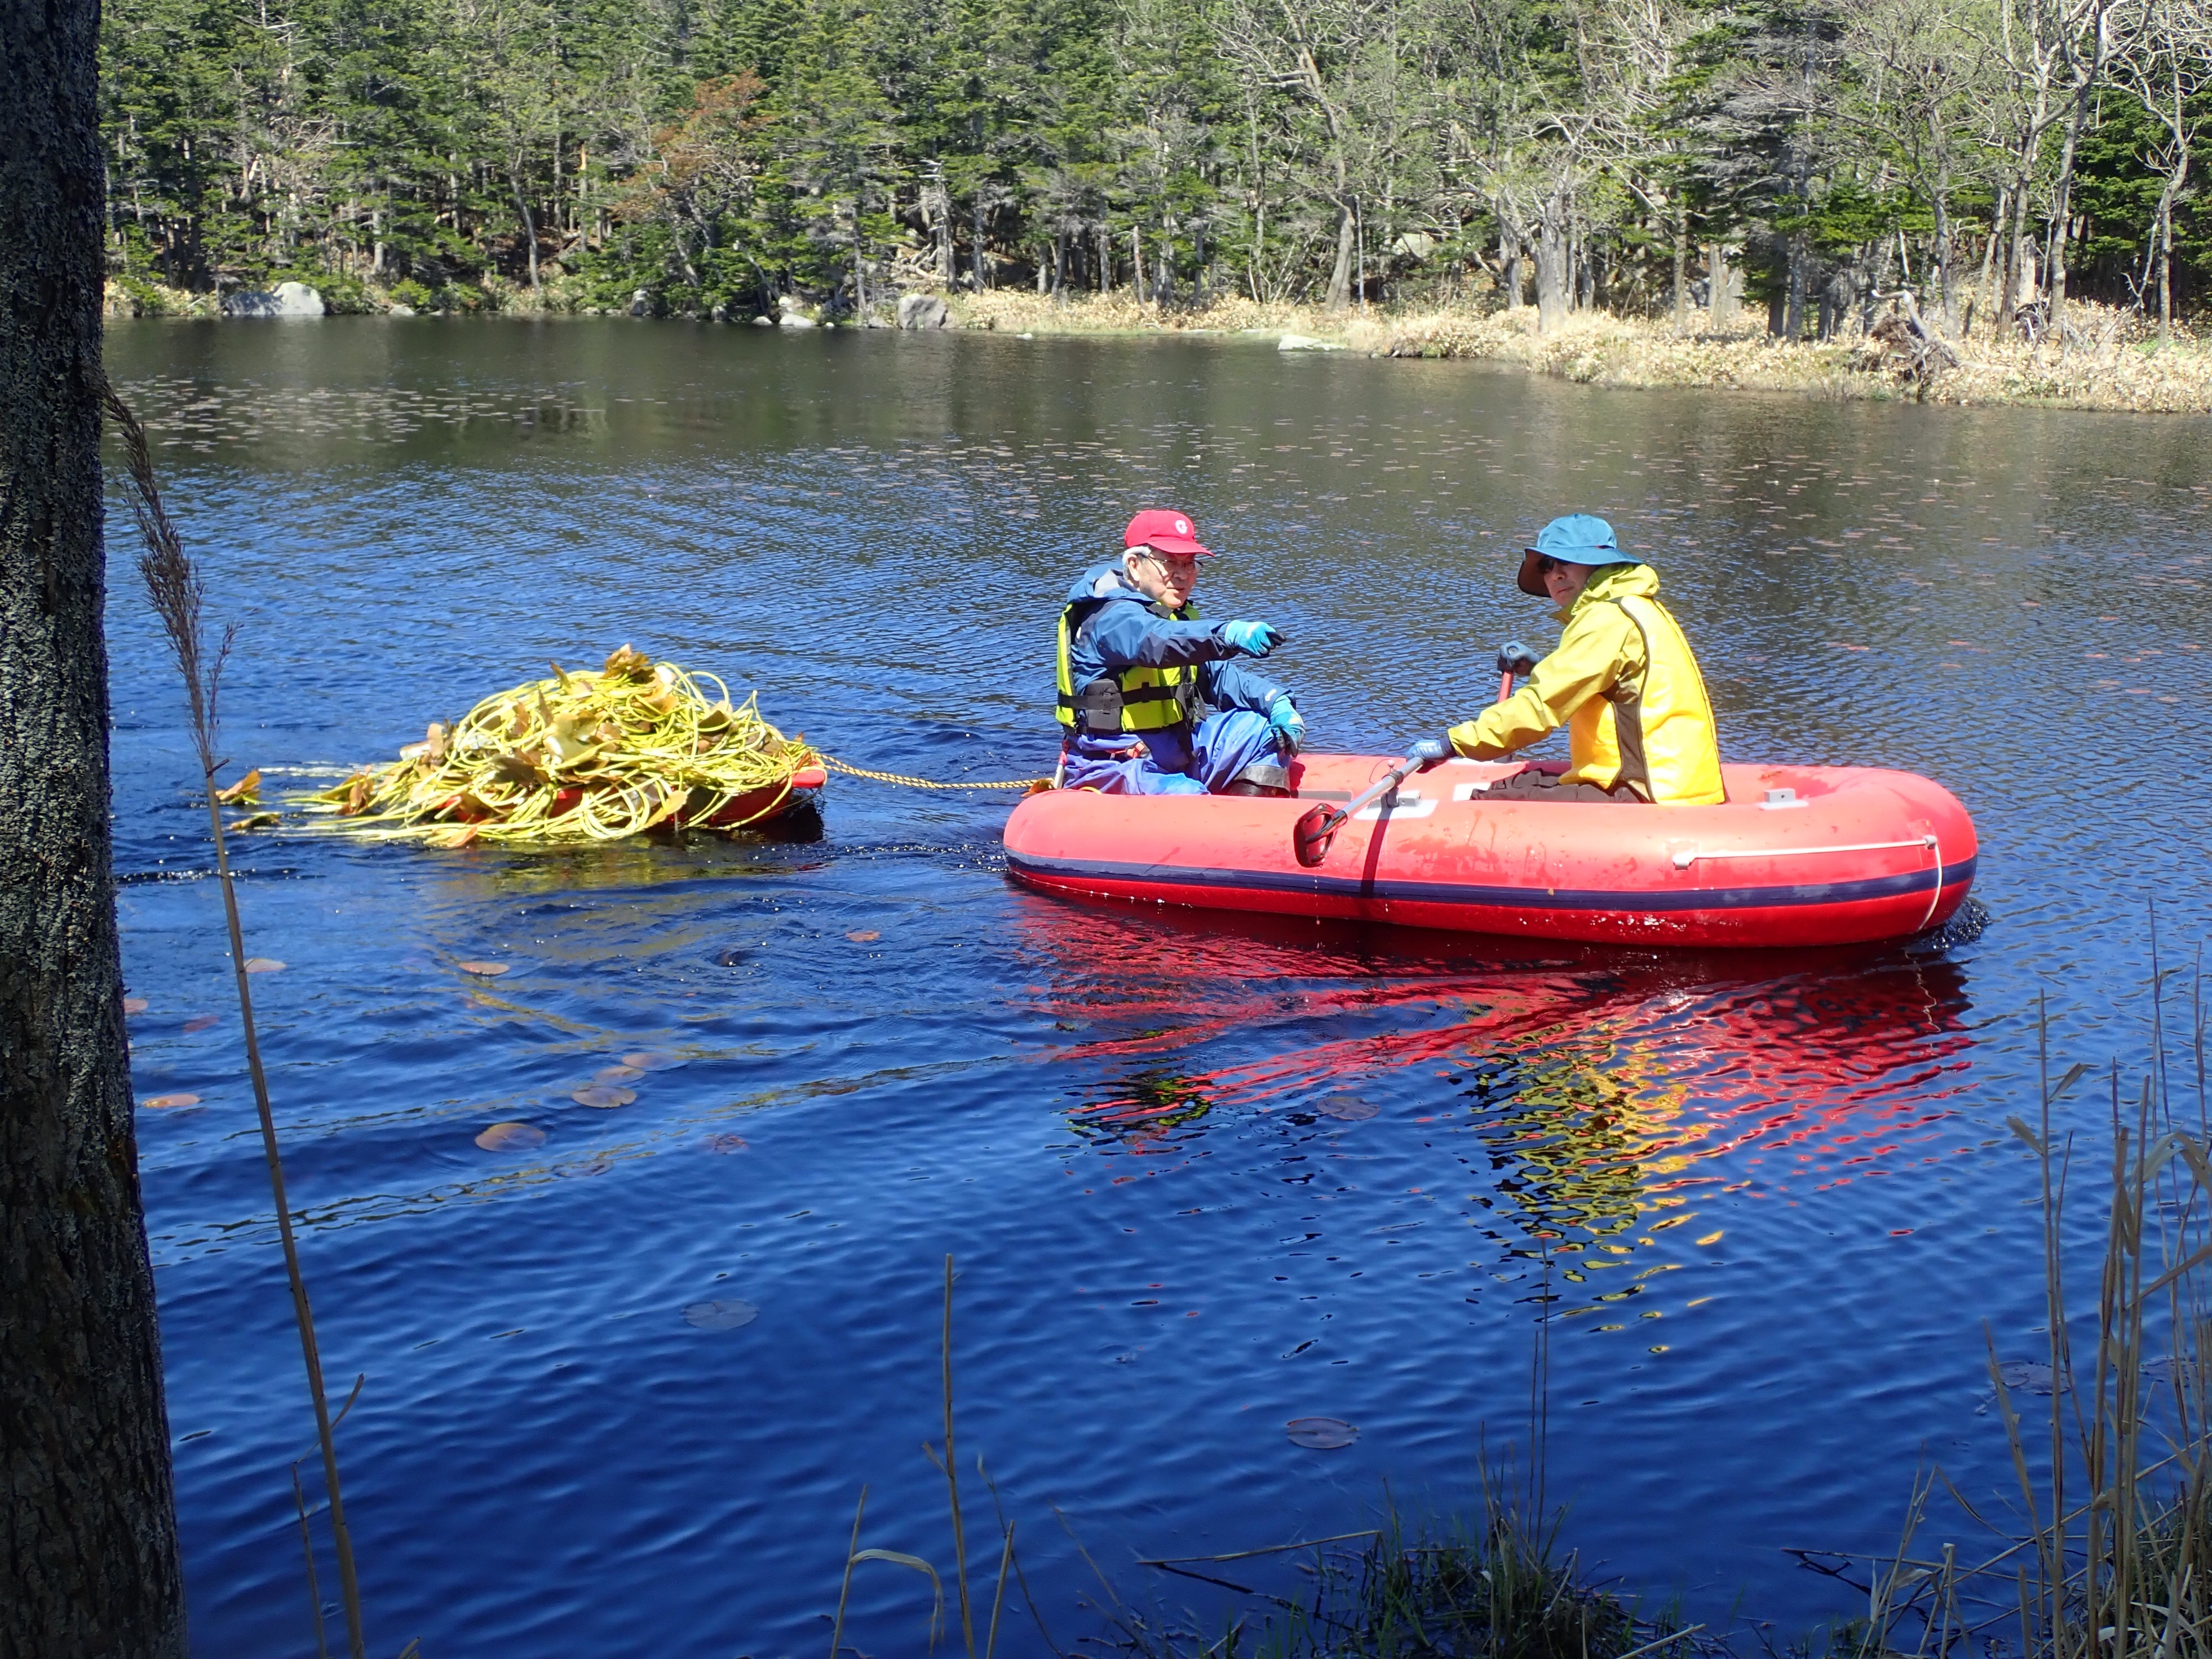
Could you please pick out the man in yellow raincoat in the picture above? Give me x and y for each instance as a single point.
(1623, 682)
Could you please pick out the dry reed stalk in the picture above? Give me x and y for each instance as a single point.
(1008, 1561)
(2119, 1573)
(173, 586)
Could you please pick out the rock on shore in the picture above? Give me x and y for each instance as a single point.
(286, 300)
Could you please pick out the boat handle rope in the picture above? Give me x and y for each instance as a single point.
(1690, 855)
(835, 765)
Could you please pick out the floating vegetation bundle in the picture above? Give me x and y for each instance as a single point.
(583, 757)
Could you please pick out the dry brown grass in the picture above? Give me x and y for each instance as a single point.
(2110, 361)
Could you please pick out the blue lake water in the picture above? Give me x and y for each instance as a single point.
(1201, 1175)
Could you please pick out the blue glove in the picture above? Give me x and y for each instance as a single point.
(1290, 731)
(1429, 750)
(1252, 639)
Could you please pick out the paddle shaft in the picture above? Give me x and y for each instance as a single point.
(1338, 817)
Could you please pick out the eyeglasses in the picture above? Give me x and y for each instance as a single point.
(1545, 564)
(1176, 561)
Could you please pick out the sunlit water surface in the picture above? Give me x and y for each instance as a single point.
(1200, 1177)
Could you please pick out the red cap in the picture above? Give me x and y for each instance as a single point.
(1164, 531)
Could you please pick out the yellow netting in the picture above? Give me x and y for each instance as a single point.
(581, 758)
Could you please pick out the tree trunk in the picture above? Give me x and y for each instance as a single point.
(1510, 253)
(860, 267)
(1552, 265)
(1944, 312)
(1800, 273)
(2015, 254)
(1682, 270)
(87, 1531)
(529, 226)
(1339, 275)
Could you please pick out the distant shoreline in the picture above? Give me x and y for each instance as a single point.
(2111, 361)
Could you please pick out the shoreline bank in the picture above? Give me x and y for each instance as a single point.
(2110, 361)
(2113, 361)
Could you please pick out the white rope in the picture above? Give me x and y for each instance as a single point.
(1689, 856)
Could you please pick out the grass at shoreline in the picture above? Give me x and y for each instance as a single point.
(2111, 365)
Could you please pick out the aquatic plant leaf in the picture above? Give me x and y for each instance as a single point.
(245, 789)
(156, 1103)
(513, 768)
(651, 1059)
(730, 1315)
(605, 1096)
(727, 1143)
(263, 965)
(2075, 1073)
(1320, 1433)
(623, 663)
(2027, 1376)
(251, 822)
(617, 1073)
(134, 1005)
(1350, 1108)
(482, 970)
(202, 1022)
(511, 1137)
(864, 936)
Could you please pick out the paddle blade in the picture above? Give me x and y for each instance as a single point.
(1311, 836)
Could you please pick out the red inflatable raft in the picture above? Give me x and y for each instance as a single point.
(1800, 855)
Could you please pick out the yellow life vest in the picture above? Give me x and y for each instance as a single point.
(1652, 731)
(1132, 699)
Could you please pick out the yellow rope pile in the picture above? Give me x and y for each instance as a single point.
(583, 757)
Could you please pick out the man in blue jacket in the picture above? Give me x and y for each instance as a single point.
(1152, 700)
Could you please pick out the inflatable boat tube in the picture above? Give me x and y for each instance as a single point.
(1799, 855)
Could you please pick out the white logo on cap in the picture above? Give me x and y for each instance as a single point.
(1182, 526)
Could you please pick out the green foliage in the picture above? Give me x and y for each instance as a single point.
(473, 153)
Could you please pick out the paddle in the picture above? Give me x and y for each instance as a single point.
(1311, 835)
(1513, 658)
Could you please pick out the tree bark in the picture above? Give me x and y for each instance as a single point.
(88, 1561)
(1339, 275)
(1682, 270)
(1552, 265)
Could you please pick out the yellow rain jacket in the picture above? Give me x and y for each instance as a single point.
(1624, 684)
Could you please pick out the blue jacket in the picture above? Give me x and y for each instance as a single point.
(1123, 629)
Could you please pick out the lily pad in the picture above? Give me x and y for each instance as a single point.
(134, 1005)
(864, 936)
(1320, 1433)
(202, 1022)
(482, 970)
(727, 1143)
(651, 1059)
(727, 1315)
(617, 1073)
(2027, 1376)
(605, 1096)
(1351, 1109)
(156, 1103)
(511, 1138)
(263, 965)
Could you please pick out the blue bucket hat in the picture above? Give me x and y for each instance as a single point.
(1579, 538)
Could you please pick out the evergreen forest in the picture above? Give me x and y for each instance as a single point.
(717, 156)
